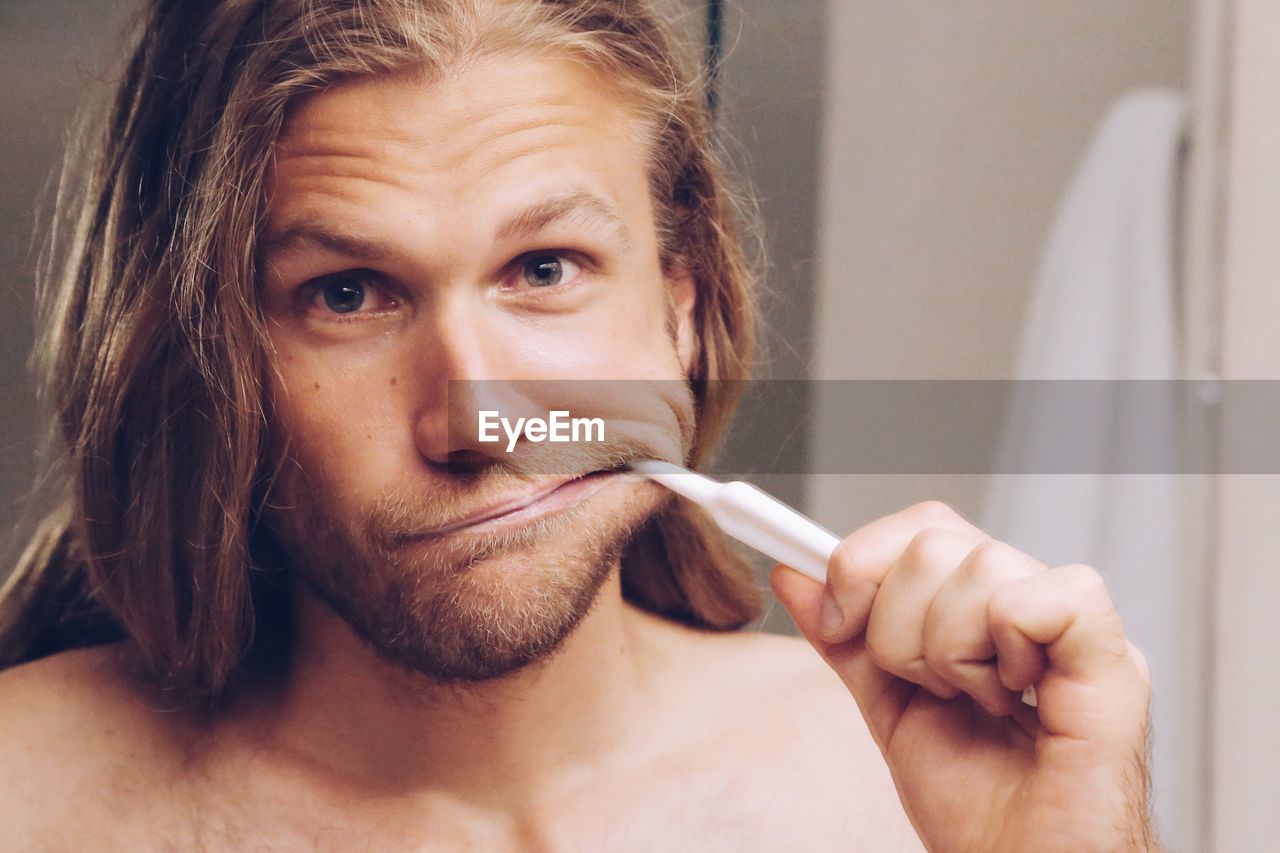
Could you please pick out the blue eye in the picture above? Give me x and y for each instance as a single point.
(343, 296)
(543, 270)
(347, 295)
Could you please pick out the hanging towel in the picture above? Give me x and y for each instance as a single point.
(1104, 308)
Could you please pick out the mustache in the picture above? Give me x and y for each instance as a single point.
(546, 459)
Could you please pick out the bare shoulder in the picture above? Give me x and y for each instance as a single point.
(64, 703)
(782, 680)
(784, 686)
(75, 738)
(799, 728)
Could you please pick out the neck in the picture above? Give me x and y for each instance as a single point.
(515, 738)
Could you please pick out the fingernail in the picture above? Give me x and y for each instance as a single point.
(830, 618)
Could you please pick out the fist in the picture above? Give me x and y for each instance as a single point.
(937, 629)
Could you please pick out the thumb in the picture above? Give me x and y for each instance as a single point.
(880, 696)
(802, 597)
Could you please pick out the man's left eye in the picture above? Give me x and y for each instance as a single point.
(547, 270)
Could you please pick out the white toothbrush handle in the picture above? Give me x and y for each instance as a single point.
(760, 521)
(767, 524)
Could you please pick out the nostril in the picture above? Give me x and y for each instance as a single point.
(466, 461)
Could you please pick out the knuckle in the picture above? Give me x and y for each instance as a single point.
(927, 547)
(934, 513)
(985, 555)
(1002, 607)
(850, 555)
(850, 552)
(992, 557)
(1085, 581)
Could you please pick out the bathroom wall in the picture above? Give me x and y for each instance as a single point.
(1244, 699)
(951, 132)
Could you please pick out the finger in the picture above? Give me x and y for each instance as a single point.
(1020, 661)
(957, 640)
(896, 625)
(864, 558)
(880, 696)
(1093, 683)
(802, 596)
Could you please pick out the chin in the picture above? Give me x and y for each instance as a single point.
(476, 606)
(490, 618)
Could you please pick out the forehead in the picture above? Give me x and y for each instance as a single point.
(496, 131)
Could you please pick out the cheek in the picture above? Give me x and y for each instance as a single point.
(340, 380)
(338, 422)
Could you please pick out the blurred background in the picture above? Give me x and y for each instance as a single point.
(992, 189)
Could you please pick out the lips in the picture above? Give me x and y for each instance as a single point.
(526, 506)
(498, 509)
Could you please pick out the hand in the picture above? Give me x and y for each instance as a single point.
(936, 629)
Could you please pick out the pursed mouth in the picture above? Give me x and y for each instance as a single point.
(525, 507)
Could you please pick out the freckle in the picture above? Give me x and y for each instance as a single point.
(393, 380)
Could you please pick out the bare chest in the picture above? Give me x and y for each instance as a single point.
(703, 809)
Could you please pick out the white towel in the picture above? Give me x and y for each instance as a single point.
(1104, 308)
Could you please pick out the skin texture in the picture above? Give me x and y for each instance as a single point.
(598, 727)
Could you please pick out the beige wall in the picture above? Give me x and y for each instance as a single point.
(951, 130)
(1245, 696)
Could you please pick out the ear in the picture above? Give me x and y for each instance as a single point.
(682, 293)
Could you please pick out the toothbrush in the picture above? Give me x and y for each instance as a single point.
(759, 520)
(752, 517)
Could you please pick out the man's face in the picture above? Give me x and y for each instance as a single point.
(492, 225)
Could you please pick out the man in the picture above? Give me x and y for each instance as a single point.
(310, 612)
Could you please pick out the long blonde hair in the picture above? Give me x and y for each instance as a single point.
(153, 356)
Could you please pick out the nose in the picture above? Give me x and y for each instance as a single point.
(464, 366)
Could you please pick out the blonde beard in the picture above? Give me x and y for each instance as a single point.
(468, 611)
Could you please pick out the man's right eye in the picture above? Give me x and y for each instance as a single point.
(343, 297)
(348, 293)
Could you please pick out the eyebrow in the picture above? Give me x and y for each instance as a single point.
(576, 206)
(308, 234)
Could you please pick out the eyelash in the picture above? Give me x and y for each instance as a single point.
(314, 289)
